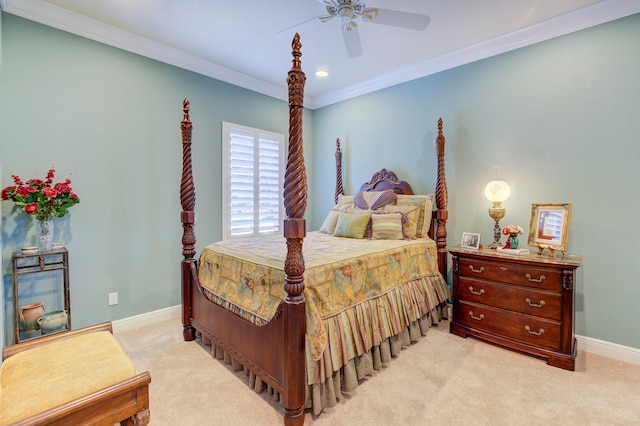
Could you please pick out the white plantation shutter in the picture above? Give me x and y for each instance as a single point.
(252, 181)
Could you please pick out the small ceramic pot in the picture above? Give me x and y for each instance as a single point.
(29, 315)
(53, 321)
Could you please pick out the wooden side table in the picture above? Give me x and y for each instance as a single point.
(34, 263)
(524, 303)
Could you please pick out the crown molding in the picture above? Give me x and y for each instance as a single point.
(56, 17)
(62, 19)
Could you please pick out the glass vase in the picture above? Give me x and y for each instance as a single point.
(44, 235)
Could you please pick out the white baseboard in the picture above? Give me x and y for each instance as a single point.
(148, 318)
(588, 344)
(608, 349)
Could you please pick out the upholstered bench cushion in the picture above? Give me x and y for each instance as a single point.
(47, 376)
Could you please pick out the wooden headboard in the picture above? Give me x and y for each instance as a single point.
(386, 179)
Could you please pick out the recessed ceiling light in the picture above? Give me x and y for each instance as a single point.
(322, 74)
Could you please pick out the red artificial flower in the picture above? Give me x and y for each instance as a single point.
(50, 174)
(62, 187)
(31, 208)
(512, 229)
(49, 192)
(25, 190)
(6, 192)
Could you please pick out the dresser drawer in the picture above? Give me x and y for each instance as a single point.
(511, 273)
(536, 331)
(514, 298)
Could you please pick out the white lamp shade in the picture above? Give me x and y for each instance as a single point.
(497, 191)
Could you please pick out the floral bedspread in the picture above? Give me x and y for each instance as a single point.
(247, 277)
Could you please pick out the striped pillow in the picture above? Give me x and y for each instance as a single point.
(410, 213)
(387, 226)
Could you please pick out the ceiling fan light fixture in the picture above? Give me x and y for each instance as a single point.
(345, 13)
(348, 26)
(369, 14)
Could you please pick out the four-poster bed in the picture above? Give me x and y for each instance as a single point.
(307, 328)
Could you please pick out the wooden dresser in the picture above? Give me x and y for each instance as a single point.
(524, 303)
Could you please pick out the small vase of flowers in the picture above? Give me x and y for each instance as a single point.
(512, 231)
(44, 200)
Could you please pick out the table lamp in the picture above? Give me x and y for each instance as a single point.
(496, 191)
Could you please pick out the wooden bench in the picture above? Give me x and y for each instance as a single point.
(76, 377)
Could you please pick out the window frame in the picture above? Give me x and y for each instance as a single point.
(228, 131)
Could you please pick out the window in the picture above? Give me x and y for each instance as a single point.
(253, 170)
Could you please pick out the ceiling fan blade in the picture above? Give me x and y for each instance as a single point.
(413, 21)
(351, 38)
(326, 18)
(329, 3)
(300, 28)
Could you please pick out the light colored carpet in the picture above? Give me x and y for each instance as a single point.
(441, 380)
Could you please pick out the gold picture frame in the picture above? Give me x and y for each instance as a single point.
(549, 227)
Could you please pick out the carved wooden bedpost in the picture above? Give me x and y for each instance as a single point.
(442, 200)
(339, 188)
(188, 219)
(295, 202)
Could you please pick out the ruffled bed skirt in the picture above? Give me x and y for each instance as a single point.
(348, 377)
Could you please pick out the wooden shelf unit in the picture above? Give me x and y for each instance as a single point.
(34, 263)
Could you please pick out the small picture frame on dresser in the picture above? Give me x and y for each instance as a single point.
(470, 241)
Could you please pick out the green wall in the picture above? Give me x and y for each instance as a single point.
(559, 118)
(113, 119)
(561, 121)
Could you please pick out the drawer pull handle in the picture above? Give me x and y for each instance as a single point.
(539, 280)
(479, 318)
(535, 305)
(477, 293)
(537, 333)
(477, 271)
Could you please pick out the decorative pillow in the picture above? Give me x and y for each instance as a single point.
(329, 224)
(355, 210)
(425, 202)
(352, 225)
(345, 200)
(387, 226)
(374, 199)
(411, 213)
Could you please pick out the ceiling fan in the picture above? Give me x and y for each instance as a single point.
(347, 13)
